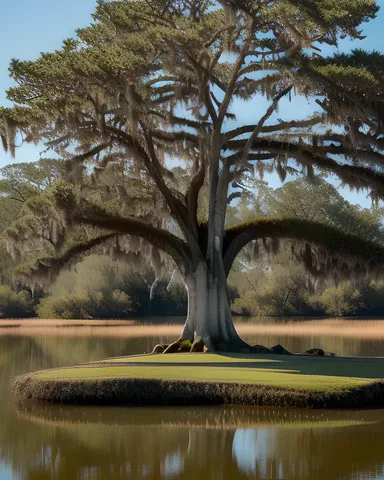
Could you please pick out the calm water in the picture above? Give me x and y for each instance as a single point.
(53, 442)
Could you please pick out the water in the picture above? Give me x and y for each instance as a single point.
(41, 442)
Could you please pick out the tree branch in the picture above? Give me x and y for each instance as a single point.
(50, 267)
(91, 153)
(355, 176)
(235, 75)
(256, 131)
(340, 249)
(161, 239)
(194, 190)
(275, 128)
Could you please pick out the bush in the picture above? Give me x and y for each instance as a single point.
(247, 304)
(14, 305)
(339, 301)
(71, 306)
(116, 304)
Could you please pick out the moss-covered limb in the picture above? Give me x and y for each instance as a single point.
(83, 212)
(138, 391)
(356, 175)
(310, 122)
(48, 268)
(337, 249)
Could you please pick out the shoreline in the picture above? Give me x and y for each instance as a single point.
(209, 379)
(151, 392)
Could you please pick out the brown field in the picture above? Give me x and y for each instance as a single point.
(362, 328)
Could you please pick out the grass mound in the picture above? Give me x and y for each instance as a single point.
(197, 379)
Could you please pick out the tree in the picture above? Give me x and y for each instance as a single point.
(280, 285)
(283, 290)
(95, 283)
(321, 202)
(147, 91)
(339, 301)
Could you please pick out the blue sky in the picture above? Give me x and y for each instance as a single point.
(30, 27)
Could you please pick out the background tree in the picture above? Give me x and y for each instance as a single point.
(339, 301)
(147, 91)
(279, 285)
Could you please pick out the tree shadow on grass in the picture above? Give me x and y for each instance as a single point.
(302, 365)
(332, 366)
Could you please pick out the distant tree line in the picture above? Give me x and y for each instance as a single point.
(262, 281)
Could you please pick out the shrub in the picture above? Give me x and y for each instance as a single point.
(339, 301)
(70, 306)
(14, 304)
(116, 304)
(247, 304)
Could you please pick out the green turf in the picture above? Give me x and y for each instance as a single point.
(302, 373)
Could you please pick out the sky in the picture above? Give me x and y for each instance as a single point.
(31, 27)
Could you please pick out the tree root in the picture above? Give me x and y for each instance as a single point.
(198, 346)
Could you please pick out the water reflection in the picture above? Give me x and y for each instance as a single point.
(39, 442)
(214, 443)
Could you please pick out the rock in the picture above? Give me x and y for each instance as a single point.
(197, 346)
(185, 346)
(279, 350)
(261, 349)
(246, 350)
(180, 346)
(317, 352)
(159, 349)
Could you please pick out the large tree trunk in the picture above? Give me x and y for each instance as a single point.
(209, 315)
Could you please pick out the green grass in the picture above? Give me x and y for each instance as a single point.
(301, 373)
(196, 379)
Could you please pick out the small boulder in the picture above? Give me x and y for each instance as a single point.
(279, 350)
(261, 349)
(316, 352)
(180, 346)
(159, 349)
(197, 346)
(185, 346)
(246, 350)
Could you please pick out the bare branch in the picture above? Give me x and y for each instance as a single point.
(255, 133)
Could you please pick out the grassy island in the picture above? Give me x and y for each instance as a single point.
(210, 379)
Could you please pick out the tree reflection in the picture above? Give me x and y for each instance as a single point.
(191, 443)
(52, 442)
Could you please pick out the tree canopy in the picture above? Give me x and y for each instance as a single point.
(141, 105)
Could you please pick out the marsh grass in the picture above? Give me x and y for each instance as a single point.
(340, 328)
